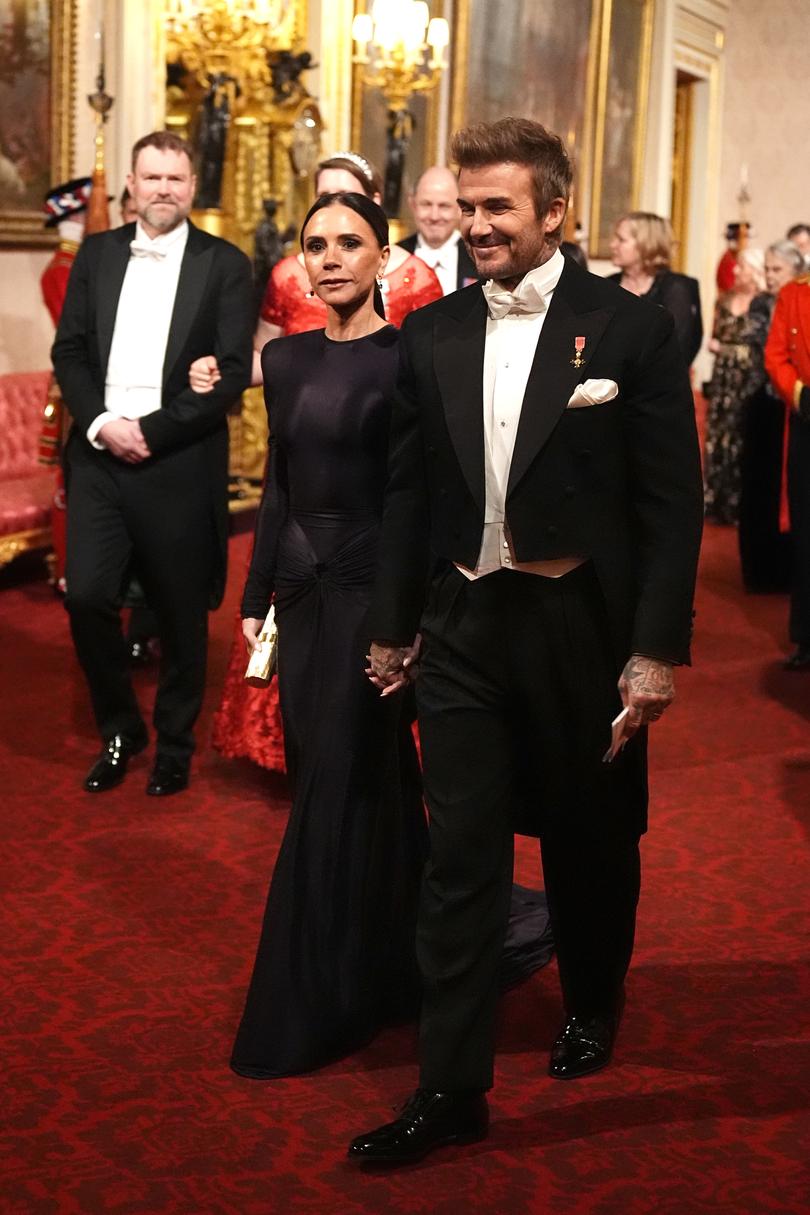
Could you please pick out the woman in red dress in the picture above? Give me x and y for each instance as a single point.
(248, 721)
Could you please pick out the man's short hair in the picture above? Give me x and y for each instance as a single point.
(797, 230)
(524, 142)
(164, 141)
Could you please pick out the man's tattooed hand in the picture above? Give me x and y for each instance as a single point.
(647, 687)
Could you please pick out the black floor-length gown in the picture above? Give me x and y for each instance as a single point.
(336, 957)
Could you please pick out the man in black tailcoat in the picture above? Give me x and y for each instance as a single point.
(541, 531)
(147, 458)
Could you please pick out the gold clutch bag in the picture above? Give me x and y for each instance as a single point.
(262, 662)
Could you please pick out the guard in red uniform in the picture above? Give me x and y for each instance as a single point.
(736, 238)
(64, 208)
(787, 360)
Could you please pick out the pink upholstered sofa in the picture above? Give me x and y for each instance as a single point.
(26, 487)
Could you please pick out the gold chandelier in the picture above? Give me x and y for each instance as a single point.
(400, 49)
(230, 37)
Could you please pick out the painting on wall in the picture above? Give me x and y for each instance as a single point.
(37, 40)
(525, 57)
(621, 108)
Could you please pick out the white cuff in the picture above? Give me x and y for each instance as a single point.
(95, 426)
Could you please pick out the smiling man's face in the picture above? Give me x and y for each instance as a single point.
(505, 236)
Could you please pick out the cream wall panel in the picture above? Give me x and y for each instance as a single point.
(766, 115)
(26, 331)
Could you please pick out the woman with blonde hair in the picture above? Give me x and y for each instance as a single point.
(642, 249)
(731, 344)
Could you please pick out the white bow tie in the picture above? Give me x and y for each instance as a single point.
(527, 300)
(140, 248)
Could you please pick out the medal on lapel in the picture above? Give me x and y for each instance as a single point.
(579, 346)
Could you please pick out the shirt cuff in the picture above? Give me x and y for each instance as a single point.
(95, 426)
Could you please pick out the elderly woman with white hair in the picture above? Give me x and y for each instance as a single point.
(731, 346)
(765, 551)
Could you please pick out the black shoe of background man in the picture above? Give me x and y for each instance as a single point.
(169, 775)
(800, 661)
(428, 1120)
(584, 1045)
(111, 766)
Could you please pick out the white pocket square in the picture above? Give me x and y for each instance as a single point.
(593, 392)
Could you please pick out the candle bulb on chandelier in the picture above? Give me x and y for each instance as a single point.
(438, 39)
(362, 32)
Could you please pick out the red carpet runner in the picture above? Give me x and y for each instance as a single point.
(129, 924)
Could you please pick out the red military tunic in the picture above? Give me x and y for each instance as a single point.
(787, 351)
(55, 277)
(787, 361)
(787, 358)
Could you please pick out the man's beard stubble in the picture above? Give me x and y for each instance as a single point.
(163, 220)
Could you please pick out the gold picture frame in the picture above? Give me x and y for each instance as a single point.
(622, 90)
(37, 130)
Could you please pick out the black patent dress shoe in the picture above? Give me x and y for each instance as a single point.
(428, 1120)
(169, 775)
(111, 766)
(584, 1046)
(799, 661)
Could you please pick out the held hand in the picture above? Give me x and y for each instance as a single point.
(647, 687)
(203, 374)
(392, 667)
(251, 627)
(125, 440)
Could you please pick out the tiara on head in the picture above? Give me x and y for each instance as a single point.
(356, 159)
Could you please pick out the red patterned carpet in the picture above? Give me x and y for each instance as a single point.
(129, 924)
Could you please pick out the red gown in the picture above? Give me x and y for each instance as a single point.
(247, 724)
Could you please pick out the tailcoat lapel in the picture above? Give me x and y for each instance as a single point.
(552, 378)
(198, 258)
(458, 361)
(114, 261)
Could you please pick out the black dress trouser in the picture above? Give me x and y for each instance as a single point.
(799, 495)
(159, 513)
(516, 693)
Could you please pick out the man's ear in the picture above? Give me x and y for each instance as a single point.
(555, 216)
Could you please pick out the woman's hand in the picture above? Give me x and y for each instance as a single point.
(251, 627)
(203, 374)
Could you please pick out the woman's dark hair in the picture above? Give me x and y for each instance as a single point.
(368, 210)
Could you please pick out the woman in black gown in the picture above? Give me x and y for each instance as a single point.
(336, 955)
(336, 958)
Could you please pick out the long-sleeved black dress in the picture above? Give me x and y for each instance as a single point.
(336, 958)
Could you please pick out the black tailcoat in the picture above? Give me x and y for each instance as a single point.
(617, 482)
(212, 315)
(466, 272)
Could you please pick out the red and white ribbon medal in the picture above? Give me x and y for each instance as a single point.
(579, 346)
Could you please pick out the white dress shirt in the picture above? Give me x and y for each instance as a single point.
(443, 261)
(511, 342)
(134, 384)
